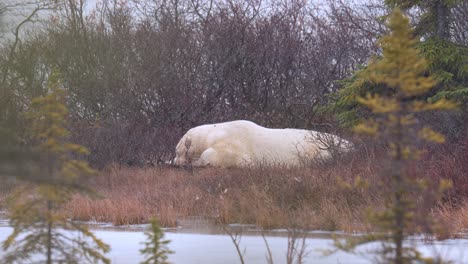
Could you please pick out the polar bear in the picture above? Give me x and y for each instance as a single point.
(243, 143)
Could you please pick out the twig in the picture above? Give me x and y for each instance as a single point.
(236, 237)
(269, 257)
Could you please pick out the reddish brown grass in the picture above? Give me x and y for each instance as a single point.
(264, 196)
(312, 198)
(323, 197)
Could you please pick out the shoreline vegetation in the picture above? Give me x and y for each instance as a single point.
(332, 197)
(322, 197)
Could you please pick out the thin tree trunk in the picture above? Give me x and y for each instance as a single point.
(399, 205)
(442, 16)
(399, 221)
(49, 232)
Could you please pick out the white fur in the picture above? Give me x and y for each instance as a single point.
(242, 143)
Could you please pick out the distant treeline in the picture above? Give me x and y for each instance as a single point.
(139, 74)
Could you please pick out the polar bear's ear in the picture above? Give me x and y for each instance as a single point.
(188, 142)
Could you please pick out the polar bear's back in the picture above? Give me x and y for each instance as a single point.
(254, 143)
(234, 133)
(283, 146)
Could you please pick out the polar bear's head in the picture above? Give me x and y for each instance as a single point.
(182, 157)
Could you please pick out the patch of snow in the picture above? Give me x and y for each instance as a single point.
(191, 248)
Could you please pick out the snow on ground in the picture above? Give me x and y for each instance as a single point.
(207, 248)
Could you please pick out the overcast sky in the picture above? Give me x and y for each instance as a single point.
(11, 19)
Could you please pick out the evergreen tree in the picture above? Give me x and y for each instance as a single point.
(156, 249)
(400, 75)
(435, 18)
(448, 60)
(41, 231)
(447, 63)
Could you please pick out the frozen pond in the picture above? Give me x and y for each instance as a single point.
(216, 248)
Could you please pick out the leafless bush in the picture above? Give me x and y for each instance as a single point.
(139, 74)
(459, 23)
(236, 235)
(269, 256)
(297, 247)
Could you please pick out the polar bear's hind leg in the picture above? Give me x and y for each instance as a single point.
(208, 157)
(223, 158)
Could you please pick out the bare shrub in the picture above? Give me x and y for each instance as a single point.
(297, 247)
(268, 256)
(141, 73)
(236, 236)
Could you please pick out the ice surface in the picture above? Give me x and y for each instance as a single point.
(206, 248)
